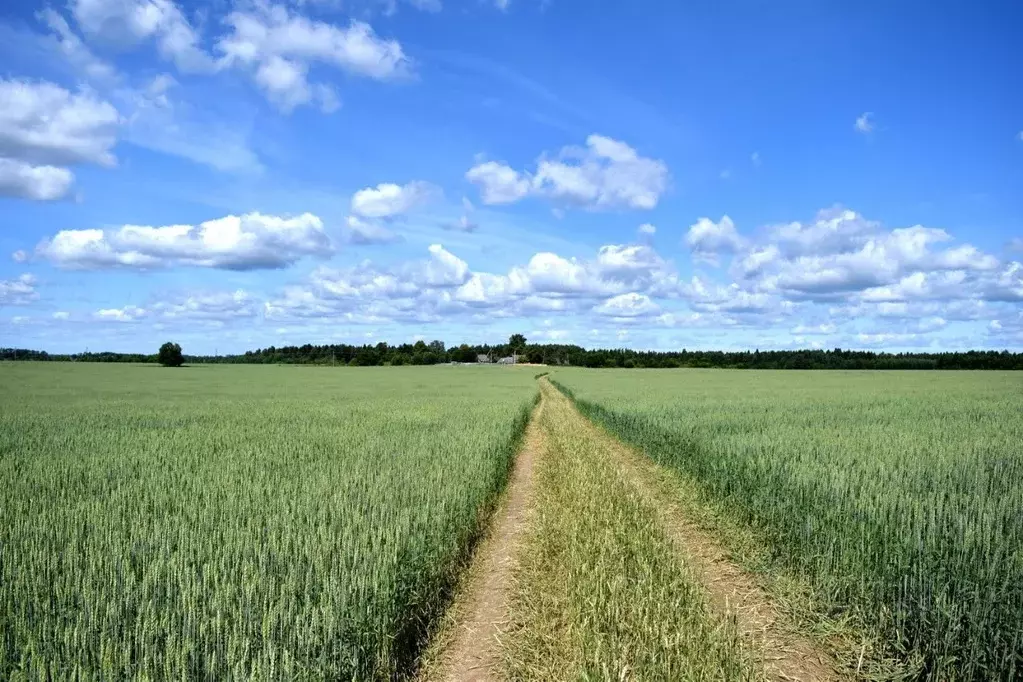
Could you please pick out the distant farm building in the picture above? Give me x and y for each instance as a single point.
(487, 359)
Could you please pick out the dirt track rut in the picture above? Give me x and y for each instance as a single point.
(473, 653)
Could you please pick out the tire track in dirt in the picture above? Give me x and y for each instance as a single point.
(472, 651)
(733, 593)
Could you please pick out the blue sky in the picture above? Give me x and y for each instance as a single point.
(241, 174)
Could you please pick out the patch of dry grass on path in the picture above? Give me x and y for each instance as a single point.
(601, 591)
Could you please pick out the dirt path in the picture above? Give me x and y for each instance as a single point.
(472, 651)
(785, 654)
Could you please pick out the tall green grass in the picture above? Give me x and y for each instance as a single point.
(240, 522)
(897, 496)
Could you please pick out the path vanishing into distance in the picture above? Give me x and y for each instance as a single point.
(495, 613)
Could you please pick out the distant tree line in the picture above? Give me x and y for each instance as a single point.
(435, 352)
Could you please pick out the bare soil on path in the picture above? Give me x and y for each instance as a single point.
(733, 593)
(471, 651)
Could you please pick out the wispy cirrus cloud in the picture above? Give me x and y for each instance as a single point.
(865, 123)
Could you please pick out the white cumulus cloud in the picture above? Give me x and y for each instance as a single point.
(387, 200)
(443, 286)
(550, 273)
(498, 183)
(279, 47)
(606, 174)
(18, 291)
(129, 313)
(286, 86)
(627, 305)
(39, 183)
(43, 129)
(628, 263)
(824, 329)
(213, 306)
(841, 257)
(831, 231)
(708, 296)
(247, 242)
(443, 269)
(794, 285)
(708, 240)
(129, 22)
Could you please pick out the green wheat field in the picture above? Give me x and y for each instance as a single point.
(266, 522)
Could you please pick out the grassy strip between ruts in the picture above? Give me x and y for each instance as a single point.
(600, 591)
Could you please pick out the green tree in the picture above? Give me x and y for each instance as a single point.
(517, 343)
(464, 354)
(170, 355)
